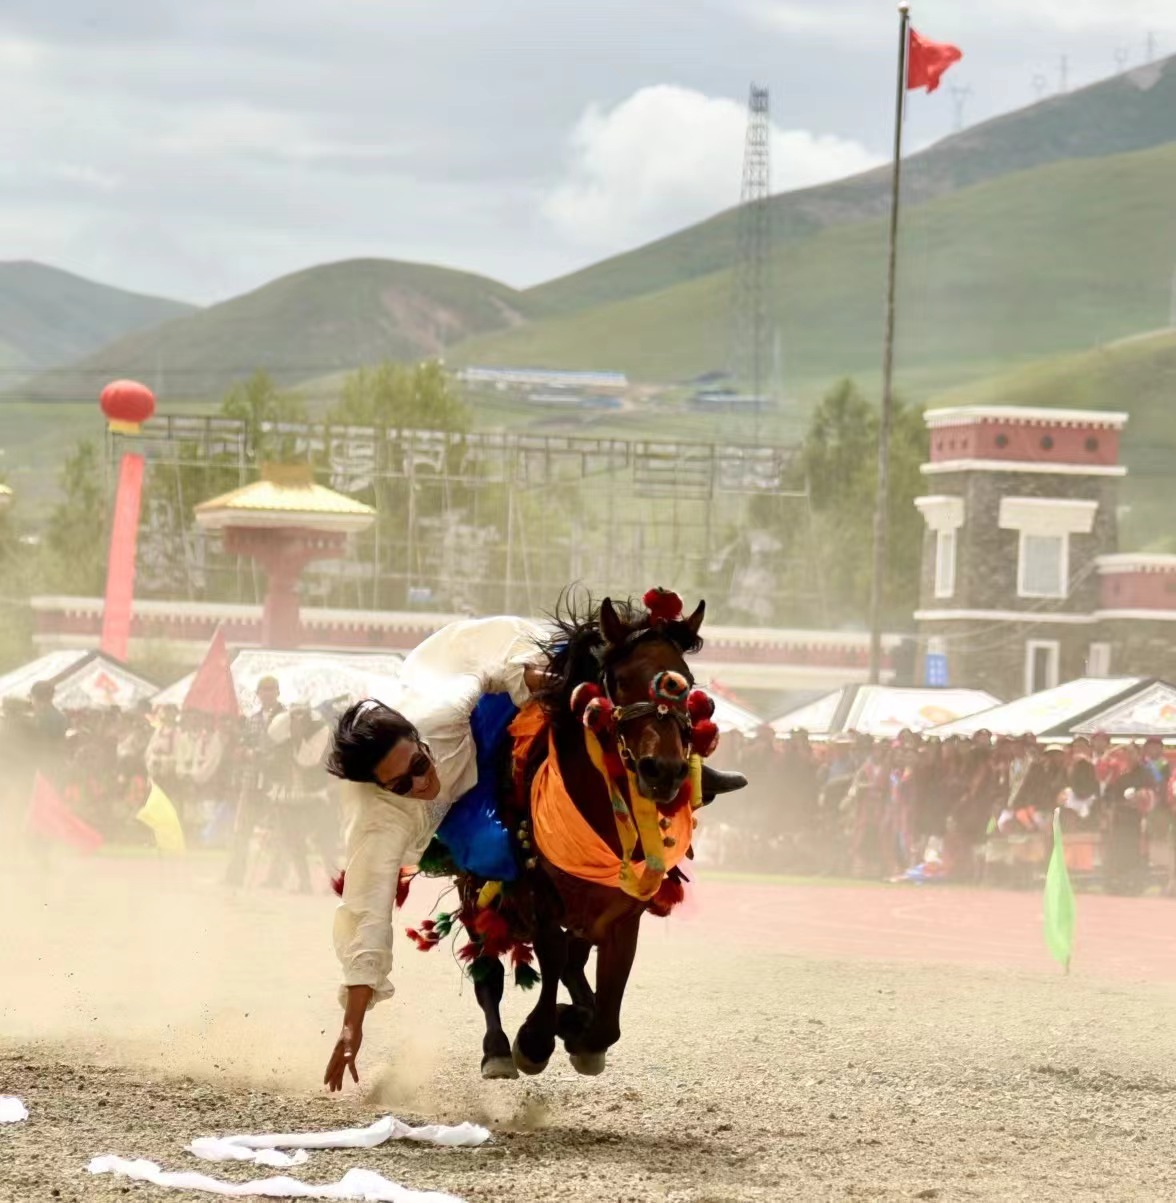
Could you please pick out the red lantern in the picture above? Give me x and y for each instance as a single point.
(127, 405)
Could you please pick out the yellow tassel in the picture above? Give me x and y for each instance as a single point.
(488, 893)
(695, 780)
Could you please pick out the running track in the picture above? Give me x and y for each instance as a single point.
(1116, 937)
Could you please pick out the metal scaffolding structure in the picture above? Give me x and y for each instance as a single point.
(489, 523)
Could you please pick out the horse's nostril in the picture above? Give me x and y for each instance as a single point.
(662, 771)
(649, 767)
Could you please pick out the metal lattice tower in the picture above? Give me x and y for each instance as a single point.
(752, 327)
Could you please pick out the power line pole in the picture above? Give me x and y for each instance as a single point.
(1122, 58)
(959, 98)
(1040, 83)
(1150, 51)
(1064, 74)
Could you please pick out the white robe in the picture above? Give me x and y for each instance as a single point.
(437, 690)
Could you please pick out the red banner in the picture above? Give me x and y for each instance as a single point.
(48, 816)
(120, 567)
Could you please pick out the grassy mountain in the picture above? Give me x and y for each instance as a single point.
(1062, 257)
(1126, 113)
(49, 317)
(318, 321)
(1136, 376)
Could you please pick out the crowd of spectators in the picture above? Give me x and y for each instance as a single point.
(978, 809)
(252, 785)
(975, 810)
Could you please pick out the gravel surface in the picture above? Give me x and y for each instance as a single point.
(141, 1007)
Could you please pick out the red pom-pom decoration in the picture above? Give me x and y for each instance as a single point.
(598, 716)
(705, 737)
(663, 605)
(670, 893)
(127, 404)
(584, 693)
(700, 705)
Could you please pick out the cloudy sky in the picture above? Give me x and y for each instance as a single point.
(198, 149)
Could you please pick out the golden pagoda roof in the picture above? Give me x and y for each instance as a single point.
(286, 496)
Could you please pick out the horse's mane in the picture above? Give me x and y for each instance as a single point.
(575, 650)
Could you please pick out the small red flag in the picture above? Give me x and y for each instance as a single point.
(927, 61)
(212, 690)
(49, 816)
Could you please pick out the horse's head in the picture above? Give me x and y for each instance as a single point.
(653, 736)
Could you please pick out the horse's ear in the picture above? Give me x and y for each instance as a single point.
(611, 626)
(694, 622)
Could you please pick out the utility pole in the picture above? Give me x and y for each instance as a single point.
(1064, 74)
(959, 97)
(1122, 57)
(1150, 52)
(1040, 83)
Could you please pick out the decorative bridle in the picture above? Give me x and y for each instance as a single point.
(671, 696)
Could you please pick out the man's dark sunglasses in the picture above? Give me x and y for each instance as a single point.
(418, 767)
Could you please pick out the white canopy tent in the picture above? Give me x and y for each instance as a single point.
(82, 680)
(1124, 707)
(883, 711)
(314, 678)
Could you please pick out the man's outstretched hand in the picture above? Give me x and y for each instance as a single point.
(343, 1058)
(346, 1051)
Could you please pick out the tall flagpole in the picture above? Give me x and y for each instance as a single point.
(881, 501)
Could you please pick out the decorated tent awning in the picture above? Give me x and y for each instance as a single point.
(883, 711)
(1122, 706)
(83, 680)
(729, 716)
(310, 677)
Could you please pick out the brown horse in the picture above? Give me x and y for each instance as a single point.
(621, 650)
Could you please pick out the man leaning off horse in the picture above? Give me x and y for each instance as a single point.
(403, 768)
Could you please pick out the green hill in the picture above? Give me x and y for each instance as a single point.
(1136, 376)
(50, 317)
(322, 320)
(1063, 257)
(1125, 113)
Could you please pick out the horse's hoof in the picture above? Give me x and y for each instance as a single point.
(591, 1065)
(496, 1069)
(524, 1063)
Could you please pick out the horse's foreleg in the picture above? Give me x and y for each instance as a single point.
(535, 1042)
(489, 977)
(573, 1021)
(614, 960)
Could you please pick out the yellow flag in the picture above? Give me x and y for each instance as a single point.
(160, 815)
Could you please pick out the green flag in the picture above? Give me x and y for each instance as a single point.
(1060, 909)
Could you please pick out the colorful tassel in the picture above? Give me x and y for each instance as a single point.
(525, 977)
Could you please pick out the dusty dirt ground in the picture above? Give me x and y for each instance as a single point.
(780, 1043)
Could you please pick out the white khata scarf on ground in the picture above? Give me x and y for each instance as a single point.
(264, 1149)
(12, 1110)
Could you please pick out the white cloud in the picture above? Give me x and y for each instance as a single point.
(668, 156)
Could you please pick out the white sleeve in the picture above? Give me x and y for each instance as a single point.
(493, 651)
(517, 650)
(379, 835)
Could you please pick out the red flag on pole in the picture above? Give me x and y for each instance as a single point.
(212, 690)
(49, 816)
(927, 61)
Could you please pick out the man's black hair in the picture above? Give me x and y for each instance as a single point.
(364, 735)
